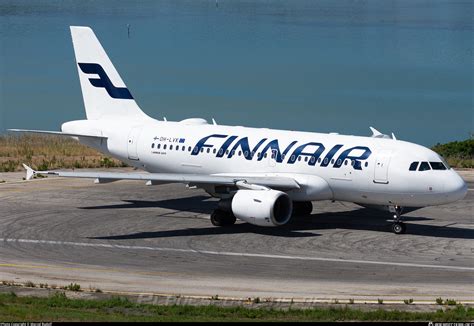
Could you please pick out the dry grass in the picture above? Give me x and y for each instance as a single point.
(49, 152)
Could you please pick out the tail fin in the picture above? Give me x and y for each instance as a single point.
(105, 94)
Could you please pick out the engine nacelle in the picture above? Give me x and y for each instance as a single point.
(262, 207)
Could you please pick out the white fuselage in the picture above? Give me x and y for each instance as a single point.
(364, 170)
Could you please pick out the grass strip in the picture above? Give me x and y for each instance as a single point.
(49, 153)
(60, 308)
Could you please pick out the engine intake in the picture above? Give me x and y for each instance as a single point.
(262, 207)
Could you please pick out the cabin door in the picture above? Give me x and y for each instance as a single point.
(132, 143)
(382, 161)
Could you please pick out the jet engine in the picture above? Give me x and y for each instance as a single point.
(262, 207)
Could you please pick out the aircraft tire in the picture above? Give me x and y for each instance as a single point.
(302, 208)
(222, 218)
(399, 228)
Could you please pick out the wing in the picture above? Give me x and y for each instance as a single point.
(284, 183)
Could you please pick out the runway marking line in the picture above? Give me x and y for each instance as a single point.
(89, 269)
(234, 254)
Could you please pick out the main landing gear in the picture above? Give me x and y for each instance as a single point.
(222, 218)
(302, 208)
(398, 227)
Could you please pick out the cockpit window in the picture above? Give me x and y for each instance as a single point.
(424, 166)
(437, 166)
(413, 166)
(444, 162)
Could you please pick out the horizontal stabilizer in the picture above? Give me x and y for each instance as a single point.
(57, 133)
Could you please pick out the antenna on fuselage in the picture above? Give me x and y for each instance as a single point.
(378, 134)
(214, 122)
(164, 119)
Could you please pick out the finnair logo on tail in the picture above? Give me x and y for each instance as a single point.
(104, 81)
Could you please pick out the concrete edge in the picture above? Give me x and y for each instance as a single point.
(25, 289)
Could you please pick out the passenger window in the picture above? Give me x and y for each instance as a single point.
(189, 148)
(345, 162)
(153, 145)
(424, 166)
(366, 164)
(158, 146)
(437, 166)
(171, 147)
(413, 166)
(208, 150)
(164, 146)
(220, 151)
(214, 151)
(299, 158)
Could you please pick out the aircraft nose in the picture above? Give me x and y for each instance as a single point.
(455, 187)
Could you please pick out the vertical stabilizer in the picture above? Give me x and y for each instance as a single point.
(105, 94)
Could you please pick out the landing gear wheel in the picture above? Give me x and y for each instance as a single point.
(222, 218)
(302, 208)
(399, 228)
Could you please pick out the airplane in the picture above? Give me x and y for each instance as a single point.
(261, 176)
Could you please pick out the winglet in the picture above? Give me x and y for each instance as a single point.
(29, 172)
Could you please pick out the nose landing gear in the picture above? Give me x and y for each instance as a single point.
(398, 227)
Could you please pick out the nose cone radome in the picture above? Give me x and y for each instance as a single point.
(455, 187)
